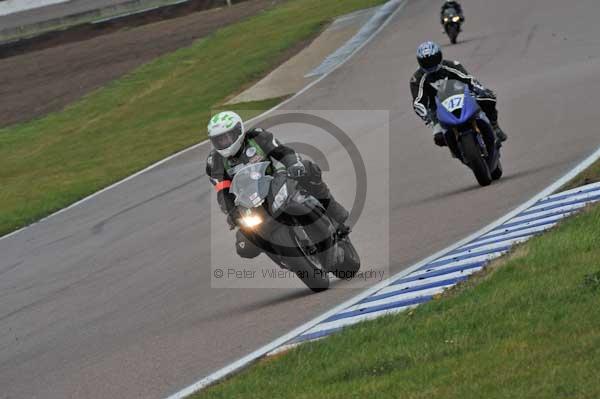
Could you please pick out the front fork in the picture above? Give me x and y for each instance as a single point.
(478, 137)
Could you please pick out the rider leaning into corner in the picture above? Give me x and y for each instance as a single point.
(425, 82)
(234, 148)
(448, 4)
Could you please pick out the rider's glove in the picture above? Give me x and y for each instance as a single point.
(296, 170)
(438, 135)
(482, 92)
(232, 218)
(439, 139)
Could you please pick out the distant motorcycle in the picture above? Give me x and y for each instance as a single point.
(452, 24)
(469, 134)
(291, 226)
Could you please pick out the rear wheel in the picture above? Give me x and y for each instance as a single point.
(474, 159)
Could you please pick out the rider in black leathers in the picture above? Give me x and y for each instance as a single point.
(234, 148)
(433, 69)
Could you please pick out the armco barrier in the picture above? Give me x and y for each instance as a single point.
(132, 12)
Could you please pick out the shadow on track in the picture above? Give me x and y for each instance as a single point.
(464, 190)
(261, 305)
(465, 41)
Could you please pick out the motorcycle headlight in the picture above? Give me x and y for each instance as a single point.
(280, 198)
(251, 221)
(455, 19)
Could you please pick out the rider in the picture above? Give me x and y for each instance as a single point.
(448, 4)
(424, 84)
(234, 147)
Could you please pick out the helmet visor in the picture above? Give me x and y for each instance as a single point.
(226, 140)
(431, 69)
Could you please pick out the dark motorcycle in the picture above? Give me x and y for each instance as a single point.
(452, 24)
(291, 226)
(469, 134)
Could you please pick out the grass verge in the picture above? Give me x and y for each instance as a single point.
(528, 329)
(149, 114)
(589, 176)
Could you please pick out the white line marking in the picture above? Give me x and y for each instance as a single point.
(396, 293)
(315, 324)
(287, 337)
(195, 146)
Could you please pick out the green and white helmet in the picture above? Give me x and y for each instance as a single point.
(226, 133)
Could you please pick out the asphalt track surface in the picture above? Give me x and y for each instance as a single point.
(113, 298)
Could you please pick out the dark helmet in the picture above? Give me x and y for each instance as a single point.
(429, 56)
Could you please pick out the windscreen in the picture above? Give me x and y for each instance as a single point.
(455, 103)
(450, 88)
(450, 12)
(251, 185)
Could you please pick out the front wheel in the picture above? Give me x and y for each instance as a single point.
(497, 173)
(306, 264)
(351, 263)
(475, 160)
(452, 31)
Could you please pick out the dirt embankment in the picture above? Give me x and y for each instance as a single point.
(38, 82)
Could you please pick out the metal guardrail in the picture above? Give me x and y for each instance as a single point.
(102, 14)
(8, 7)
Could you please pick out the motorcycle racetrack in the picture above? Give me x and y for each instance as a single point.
(115, 298)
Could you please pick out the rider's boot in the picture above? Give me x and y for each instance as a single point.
(338, 214)
(319, 189)
(333, 209)
(499, 133)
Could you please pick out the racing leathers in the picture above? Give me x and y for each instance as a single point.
(424, 87)
(259, 145)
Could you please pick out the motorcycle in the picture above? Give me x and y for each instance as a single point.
(468, 132)
(291, 227)
(452, 24)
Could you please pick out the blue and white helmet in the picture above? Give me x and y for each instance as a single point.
(429, 56)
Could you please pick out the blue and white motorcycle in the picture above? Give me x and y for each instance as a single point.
(468, 132)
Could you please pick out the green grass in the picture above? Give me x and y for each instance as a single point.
(147, 115)
(589, 176)
(527, 329)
